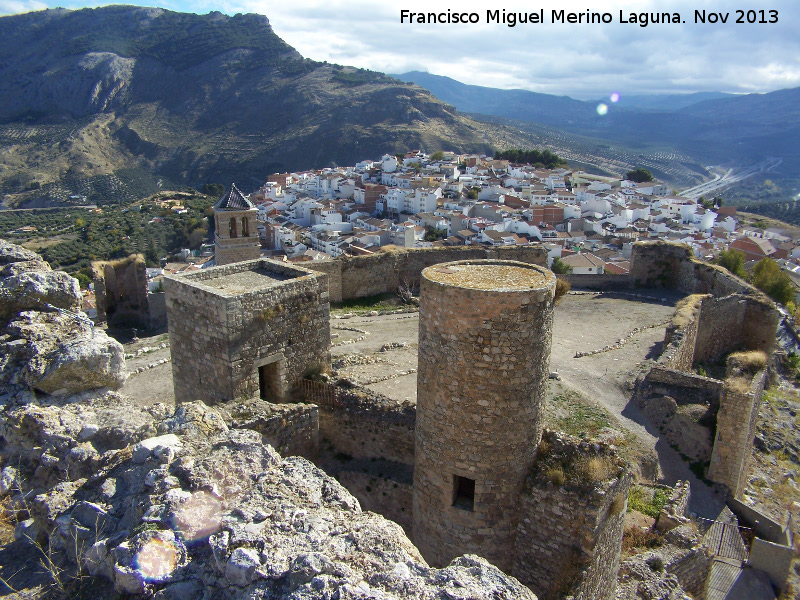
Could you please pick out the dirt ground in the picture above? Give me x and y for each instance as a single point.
(380, 352)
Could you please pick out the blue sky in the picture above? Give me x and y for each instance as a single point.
(579, 60)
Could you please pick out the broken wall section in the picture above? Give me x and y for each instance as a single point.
(121, 292)
(572, 513)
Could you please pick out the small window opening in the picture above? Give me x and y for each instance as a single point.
(464, 493)
(233, 227)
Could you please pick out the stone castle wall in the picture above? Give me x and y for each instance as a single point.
(363, 276)
(673, 266)
(121, 292)
(367, 430)
(736, 429)
(680, 337)
(292, 429)
(484, 352)
(381, 493)
(230, 326)
(570, 534)
(734, 323)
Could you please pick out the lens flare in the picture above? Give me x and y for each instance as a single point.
(602, 109)
(614, 97)
(156, 560)
(198, 517)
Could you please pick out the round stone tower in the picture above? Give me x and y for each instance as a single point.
(485, 329)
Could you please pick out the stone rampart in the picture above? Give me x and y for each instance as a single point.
(680, 337)
(370, 427)
(382, 493)
(692, 567)
(673, 266)
(572, 513)
(292, 429)
(598, 282)
(736, 428)
(733, 323)
(685, 386)
(121, 292)
(382, 272)
(246, 329)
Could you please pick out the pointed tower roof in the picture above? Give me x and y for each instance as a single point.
(234, 200)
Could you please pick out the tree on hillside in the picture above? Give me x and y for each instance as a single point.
(213, 189)
(436, 156)
(639, 175)
(543, 158)
(733, 260)
(768, 277)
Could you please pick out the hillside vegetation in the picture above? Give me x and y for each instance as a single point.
(113, 103)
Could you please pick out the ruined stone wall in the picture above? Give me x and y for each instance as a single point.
(598, 282)
(389, 497)
(363, 276)
(692, 567)
(333, 269)
(484, 350)
(736, 428)
(367, 430)
(570, 533)
(121, 292)
(229, 324)
(673, 266)
(680, 337)
(157, 310)
(686, 387)
(292, 429)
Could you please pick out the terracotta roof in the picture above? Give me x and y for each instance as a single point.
(233, 200)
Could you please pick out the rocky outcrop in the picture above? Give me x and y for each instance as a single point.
(205, 511)
(47, 344)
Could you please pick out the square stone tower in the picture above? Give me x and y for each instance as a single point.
(249, 329)
(235, 227)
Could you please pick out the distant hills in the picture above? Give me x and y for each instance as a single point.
(711, 128)
(110, 102)
(114, 103)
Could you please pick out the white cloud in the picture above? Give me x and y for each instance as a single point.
(585, 61)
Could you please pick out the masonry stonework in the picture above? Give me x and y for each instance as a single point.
(363, 276)
(121, 292)
(235, 229)
(570, 529)
(484, 350)
(247, 329)
(736, 429)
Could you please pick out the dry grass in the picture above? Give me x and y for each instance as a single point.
(562, 287)
(637, 537)
(748, 362)
(686, 310)
(597, 468)
(7, 521)
(739, 385)
(124, 262)
(556, 475)
(617, 504)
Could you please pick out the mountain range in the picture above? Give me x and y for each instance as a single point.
(711, 127)
(112, 103)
